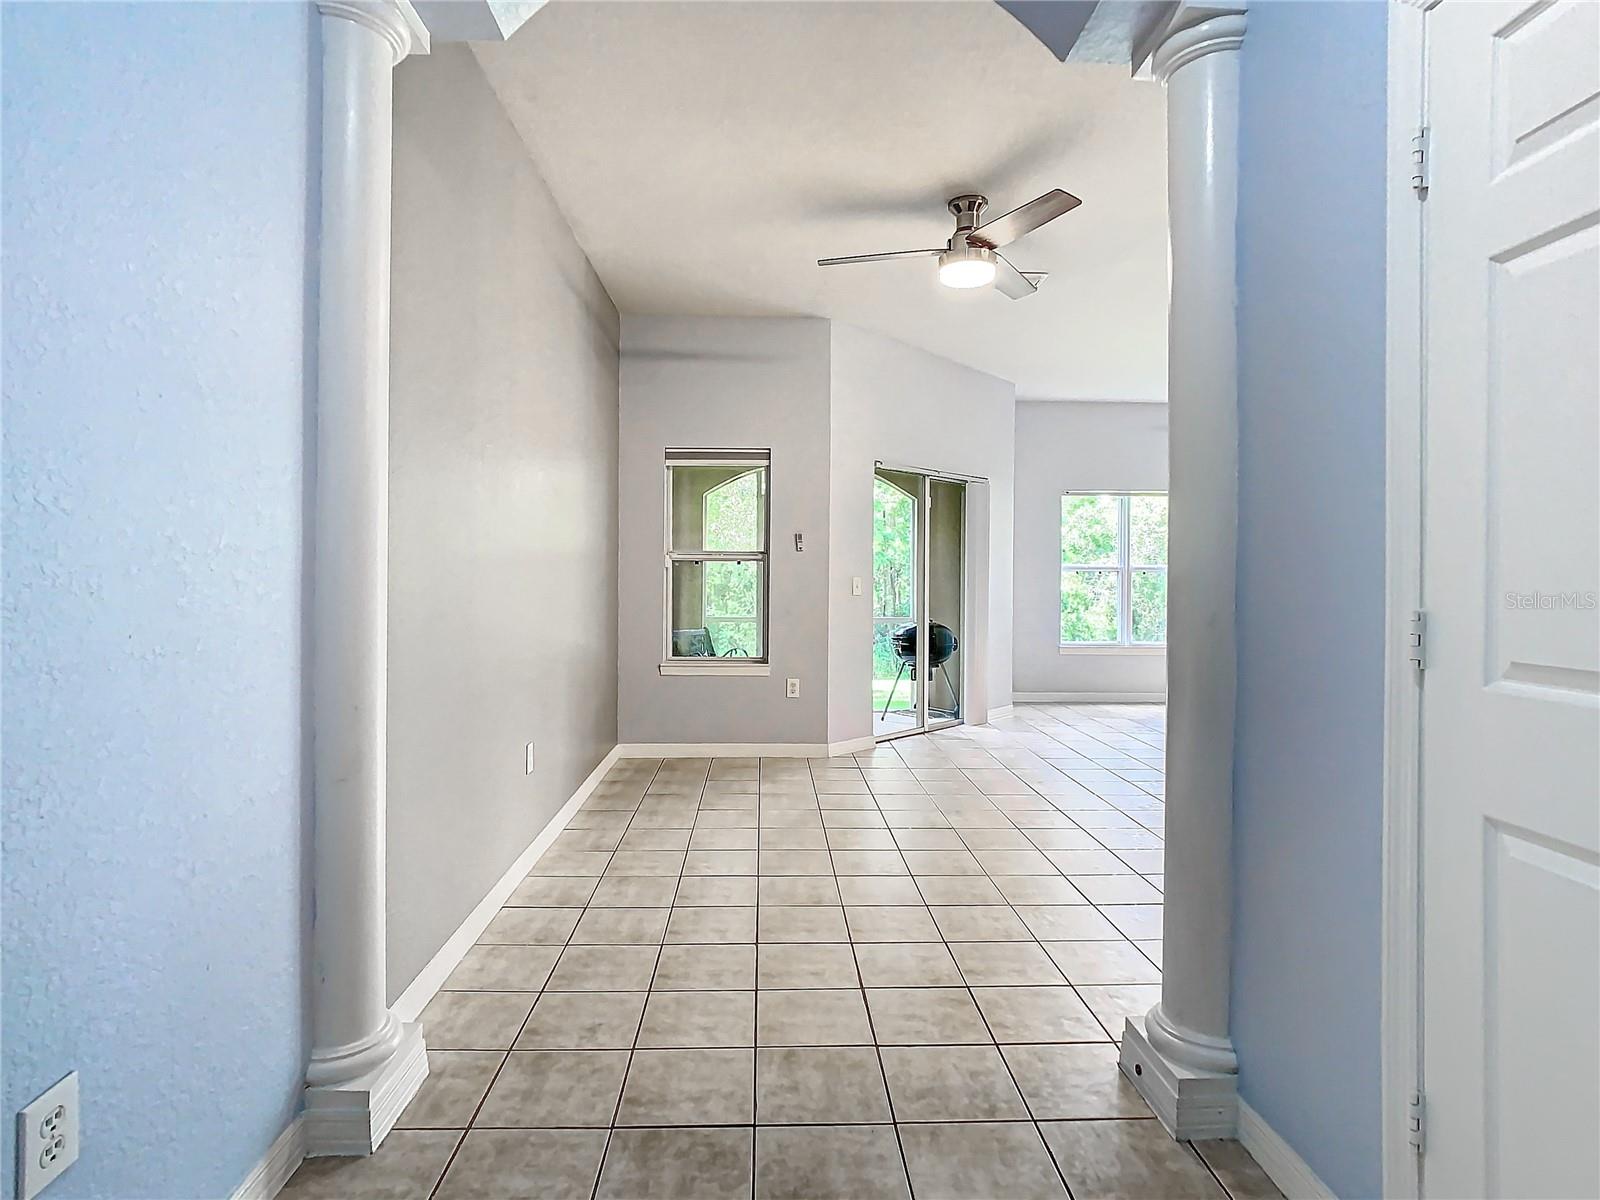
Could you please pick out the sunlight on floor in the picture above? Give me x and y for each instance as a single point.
(895, 973)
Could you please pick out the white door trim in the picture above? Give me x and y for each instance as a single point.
(1400, 1020)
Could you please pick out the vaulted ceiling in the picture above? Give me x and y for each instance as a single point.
(706, 154)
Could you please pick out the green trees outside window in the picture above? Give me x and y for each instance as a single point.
(894, 573)
(731, 590)
(1113, 570)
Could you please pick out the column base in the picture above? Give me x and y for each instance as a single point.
(1191, 1103)
(353, 1117)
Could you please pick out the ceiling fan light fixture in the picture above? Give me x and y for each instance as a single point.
(971, 259)
(967, 267)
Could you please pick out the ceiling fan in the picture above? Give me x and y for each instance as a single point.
(972, 258)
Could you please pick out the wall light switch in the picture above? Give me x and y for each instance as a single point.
(855, 585)
(528, 762)
(792, 690)
(47, 1138)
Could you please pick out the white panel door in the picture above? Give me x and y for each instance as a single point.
(1511, 724)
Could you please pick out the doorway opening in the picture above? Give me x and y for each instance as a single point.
(918, 601)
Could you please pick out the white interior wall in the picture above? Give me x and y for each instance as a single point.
(903, 406)
(755, 382)
(829, 401)
(1090, 446)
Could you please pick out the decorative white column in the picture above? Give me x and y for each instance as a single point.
(365, 1065)
(1179, 1056)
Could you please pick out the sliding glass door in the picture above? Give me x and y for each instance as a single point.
(946, 557)
(918, 600)
(898, 504)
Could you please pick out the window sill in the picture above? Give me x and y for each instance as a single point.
(1111, 648)
(720, 667)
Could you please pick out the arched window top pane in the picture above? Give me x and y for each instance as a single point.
(717, 508)
(733, 512)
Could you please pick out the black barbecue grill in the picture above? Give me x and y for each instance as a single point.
(941, 645)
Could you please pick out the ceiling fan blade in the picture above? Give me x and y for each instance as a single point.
(1002, 231)
(860, 258)
(1009, 281)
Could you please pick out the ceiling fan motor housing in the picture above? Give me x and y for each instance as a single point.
(968, 212)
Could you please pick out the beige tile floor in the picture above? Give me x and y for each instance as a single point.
(893, 974)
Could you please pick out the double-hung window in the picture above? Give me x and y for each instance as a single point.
(1113, 569)
(716, 561)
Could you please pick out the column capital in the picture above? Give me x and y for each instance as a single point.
(396, 21)
(1194, 31)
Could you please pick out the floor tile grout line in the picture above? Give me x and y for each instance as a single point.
(755, 1003)
(984, 1017)
(816, 1124)
(872, 1029)
(1059, 874)
(616, 1111)
(1054, 1161)
(521, 1028)
(1037, 941)
(1045, 950)
(1066, 813)
(956, 800)
(1206, 1163)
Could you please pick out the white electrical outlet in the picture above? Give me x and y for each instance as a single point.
(528, 761)
(47, 1138)
(855, 585)
(792, 690)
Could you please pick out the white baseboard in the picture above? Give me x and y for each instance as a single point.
(1004, 710)
(744, 749)
(281, 1161)
(1277, 1158)
(1089, 697)
(285, 1155)
(431, 978)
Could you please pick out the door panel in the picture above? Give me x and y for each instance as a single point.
(946, 525)
(899, 508)
(1511, 695)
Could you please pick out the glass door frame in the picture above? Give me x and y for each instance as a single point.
(920, 614)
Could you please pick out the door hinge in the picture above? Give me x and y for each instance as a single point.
(1419, 161)
(1416, 1121)
(1418, 640)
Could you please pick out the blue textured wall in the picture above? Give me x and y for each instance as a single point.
(1308, 780)
(155, 321)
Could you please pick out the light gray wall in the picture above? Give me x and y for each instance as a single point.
(905, 407)
(1308, 773)
(157, 393)
(725, 382)
(503, 517)
(1079, 446)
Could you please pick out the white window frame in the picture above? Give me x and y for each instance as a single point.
(1123, 568)
(751, 460)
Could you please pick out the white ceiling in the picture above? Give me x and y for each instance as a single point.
(706, 154)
